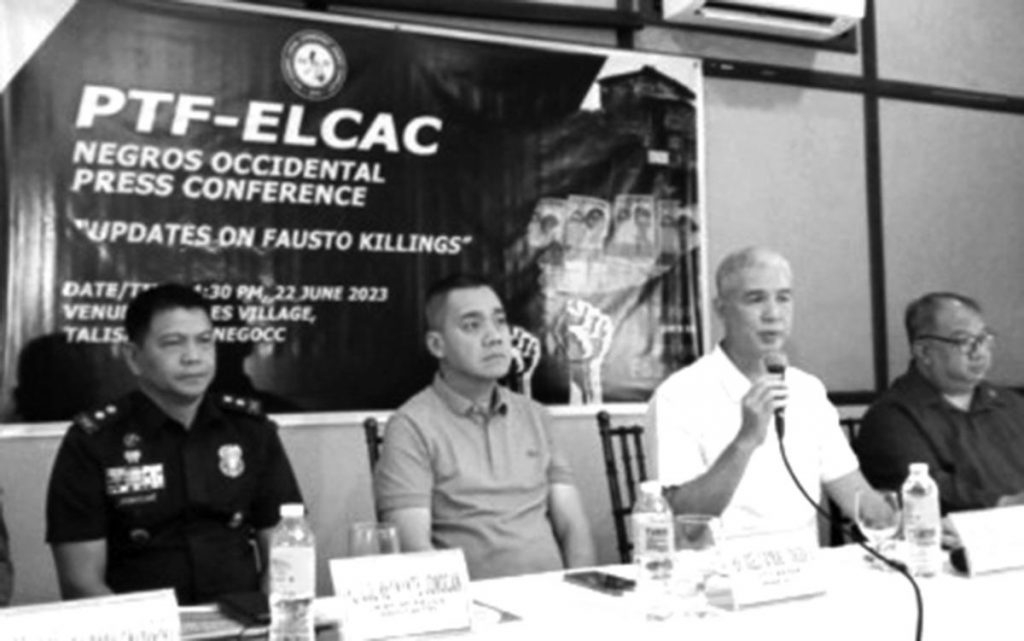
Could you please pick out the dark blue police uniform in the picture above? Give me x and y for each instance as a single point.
(178, 507)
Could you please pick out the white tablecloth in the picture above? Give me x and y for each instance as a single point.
(861, 602)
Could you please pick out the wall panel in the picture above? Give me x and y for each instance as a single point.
(955, 43)
(954, 218)
(785, 168)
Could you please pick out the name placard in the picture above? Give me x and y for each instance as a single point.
(140, 616)
(991, 538)
(770, 566)
(400, 594)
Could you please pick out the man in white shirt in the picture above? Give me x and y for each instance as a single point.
(717, 442)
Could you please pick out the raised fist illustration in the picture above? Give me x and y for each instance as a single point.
(586, 337)
(525, 357)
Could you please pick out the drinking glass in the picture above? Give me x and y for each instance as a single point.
(369, 538)
(696, 559)
(878, 520)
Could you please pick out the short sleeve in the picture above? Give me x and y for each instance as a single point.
(404, 475)
(837, 457)
(678, 452)
(559, 470)
(76, 497)
(278, 484)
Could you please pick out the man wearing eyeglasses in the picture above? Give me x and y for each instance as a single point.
(943, 412)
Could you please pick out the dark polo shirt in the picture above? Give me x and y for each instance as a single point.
(975, 456)
(484, 473)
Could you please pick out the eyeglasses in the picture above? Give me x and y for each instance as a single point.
(967, 343)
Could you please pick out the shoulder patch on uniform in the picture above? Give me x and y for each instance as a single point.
(240, 404)
(94, 420)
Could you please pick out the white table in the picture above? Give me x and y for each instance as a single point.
(861, 602)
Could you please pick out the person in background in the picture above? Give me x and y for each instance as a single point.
(6, 567)
(468, 464)
(56, 379)
(944, 413)
(231, 377)
(714, 420)
(170, 486)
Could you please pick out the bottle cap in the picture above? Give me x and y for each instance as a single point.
(650, 487)
(293, 510)
(918, 468)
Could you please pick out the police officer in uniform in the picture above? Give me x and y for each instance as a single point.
(170, 486)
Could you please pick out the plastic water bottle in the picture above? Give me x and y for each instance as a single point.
(922, 525)
(653, 549)
(292, 577)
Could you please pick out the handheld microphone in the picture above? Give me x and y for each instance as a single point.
(775, 364)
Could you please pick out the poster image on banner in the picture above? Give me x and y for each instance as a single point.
(312, 175)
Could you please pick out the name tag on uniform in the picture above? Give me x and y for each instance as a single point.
(132, 479)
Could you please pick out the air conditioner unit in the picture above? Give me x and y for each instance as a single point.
(804, 19)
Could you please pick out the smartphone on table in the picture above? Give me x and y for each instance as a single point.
(248, 608)
(601, 581)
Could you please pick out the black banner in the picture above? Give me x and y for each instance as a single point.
(313, 176)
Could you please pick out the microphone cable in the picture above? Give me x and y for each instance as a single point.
(895, 565)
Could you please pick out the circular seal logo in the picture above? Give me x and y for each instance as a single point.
(313, 64)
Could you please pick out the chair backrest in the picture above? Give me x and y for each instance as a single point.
(839, 522)
(374, 438)
(851, 427)
(626, 467)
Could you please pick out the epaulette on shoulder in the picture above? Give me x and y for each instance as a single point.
(95, 420)
(240, 405)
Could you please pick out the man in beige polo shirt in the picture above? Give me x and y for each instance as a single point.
(469, 464)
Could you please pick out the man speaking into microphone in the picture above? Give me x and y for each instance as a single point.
(718, 421)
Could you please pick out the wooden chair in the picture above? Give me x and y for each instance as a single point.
(851, 427)
(374, 438)
(622, 445)
(840, 522)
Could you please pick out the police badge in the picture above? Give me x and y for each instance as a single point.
(231, 463)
